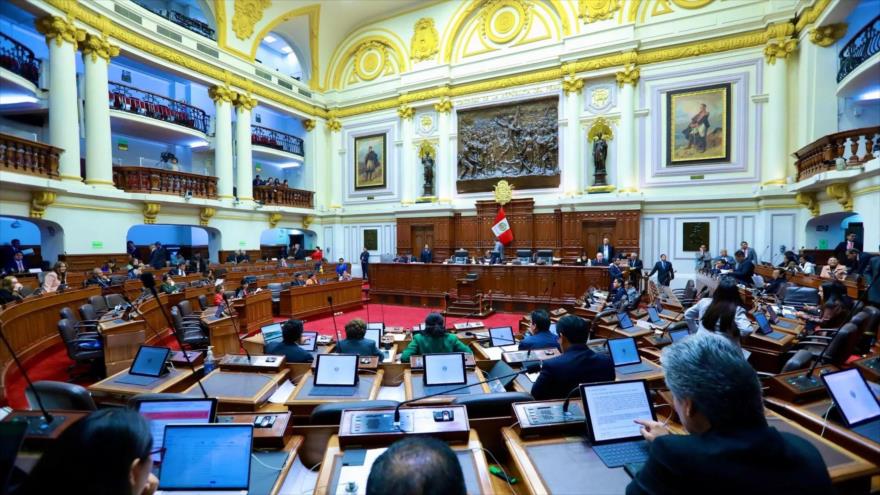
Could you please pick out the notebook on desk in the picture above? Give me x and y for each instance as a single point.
(611, 409)
(444, 372)
(857, 403)
(625, 356)
(206, 457)
(148, 366)
(335, 375)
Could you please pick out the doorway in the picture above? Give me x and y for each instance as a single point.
(593, 233)
(421, 235)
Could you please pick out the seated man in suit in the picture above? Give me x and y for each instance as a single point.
(729, 448)
(726, 260)
(858, 262)
(354, 341)
(98, 278)
(833, 270)
(744, 270)
(230, 258)
(18, 264)
(663, 269)
(288, 346)
(577, 364)
(298, 280)
(844, 246)
(772, 287)
(617, 294)
(539, 333)
(600, 260)
(421, 465)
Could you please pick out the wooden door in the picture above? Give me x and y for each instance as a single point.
(421, 235)
(594, 232)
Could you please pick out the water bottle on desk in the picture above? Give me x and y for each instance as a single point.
(210, 360)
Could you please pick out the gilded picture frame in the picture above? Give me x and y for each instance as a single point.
(370, 162)
(698, 128)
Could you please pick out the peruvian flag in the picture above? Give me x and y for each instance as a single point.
(502, 229)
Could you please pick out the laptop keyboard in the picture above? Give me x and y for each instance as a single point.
(333, 391)
(618, 454)
(137, 380)
(633, 368)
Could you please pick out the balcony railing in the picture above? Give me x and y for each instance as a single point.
(28, 157)
(183, 21)
(136, 101)
(159, 181)
(278, 140)
(283, 196)
(19, 59)
(852, 147)
(861, 47)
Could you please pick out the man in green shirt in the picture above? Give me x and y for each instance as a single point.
(434, 339)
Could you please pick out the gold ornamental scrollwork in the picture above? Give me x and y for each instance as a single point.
(245, 15)
(808, 199)
(779, 49)
(503, 20)
(597, 10)
(840, 192)
(444, 105)
(40, 200)
(572, 84)
(370, 60)
(151, 211)
(600, 127)
(426, 148)
(425, 40)
(95, 47)
(405, 111)
(309, 124)
(274, 218)
(222, 93)
(307, 221)
(827, 35)
(60, 29)
(503, 192)
(205, 215)
(334, 125)
(245, 102)
(629, 75)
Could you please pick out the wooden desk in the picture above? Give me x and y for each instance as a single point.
(111, 387)
(31, 325)
(471, 457)
(238, 391)
(414, 388)
(221, 332)
(301, 404)
(254, 311)
(511, 286)
(122, 339)
(303, 302)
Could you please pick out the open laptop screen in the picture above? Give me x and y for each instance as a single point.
(172, 411)
(624, 320)
(624, 351)
(271, 333)
(677, 335)
(339, 370)
(652, 314)
(612, 407)
(374, 334)
(309, 341)
(150, 361)
(501, 336)
(553, 329)
(853, 396)
(763, 324)
(445, 369)
(207, 457)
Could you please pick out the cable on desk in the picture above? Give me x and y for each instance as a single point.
(273, 468)
(825, 419)
(504, 471)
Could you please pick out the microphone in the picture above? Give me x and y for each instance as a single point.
(46, 421)
(533, 367)
(333, 315)
(149, 282)
(235, 326)
(135, 310)
(568, 400)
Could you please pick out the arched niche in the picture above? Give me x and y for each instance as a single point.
(189, 238)
(45, 237)
(825, 231)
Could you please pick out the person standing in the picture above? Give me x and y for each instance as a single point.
(744, 270)
(849, 243)
(131, 249)
(748, 252)
(497, 253)
(635, 269)
(297, 252)
(663, 269)
(365, 263)
(318, 257)
(703, 259)
(427, 256)
(607, 249)
(157, 256)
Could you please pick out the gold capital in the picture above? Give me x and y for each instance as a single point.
(572, 84)
(151, 211)
(405, 111)
(222, 93)
(58, 28)
(840, 192)
(274, 218)
(308, 124)
(94, 47)
(779, 49)
(245, 102)
(629, 75)
(808, 199)
(40, 200)
(827, 35)
(444, 105)
(205, 215)
(334, 124)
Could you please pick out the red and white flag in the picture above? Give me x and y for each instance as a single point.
(502, 229)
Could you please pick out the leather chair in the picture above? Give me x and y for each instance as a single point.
(870, 328)
(688, 295)
(81, 348)
(118, 280)
(81, 325)
(60, 395)
(88, 313)
(275, 289)
(186, 311)
(114, 300)
(491, 405)
(840, 346)
(99, 303)
(189, 333)
(203, 302)
(331, 413)
(798, 296)
(285, 285)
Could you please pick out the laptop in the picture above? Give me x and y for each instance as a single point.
(611, 408)
(206, 457)
(677, 335)
(857, 404)
(501, 336)
(148, 366)
(161, 412)
(774, 319)
(271, 333)
(444, 372)
(660, 310)
(626, 357)
(376, 325)
(309, 341)
(335, 375)
(624, 321)
(765, 329)
(374, 334)
(654, 317)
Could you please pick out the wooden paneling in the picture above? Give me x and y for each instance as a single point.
(254, 311)
(563, 232)
(303, 302)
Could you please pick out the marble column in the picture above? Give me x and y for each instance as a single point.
(816, 84)
(445, 173)
(627, 166)
(334, 182)
(571, 163)
(223, 98)
(62, 37)
(97, 51)
(408, 173)
(244, 161)
(774, 165)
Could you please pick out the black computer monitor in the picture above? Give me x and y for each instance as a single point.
(460, 256)
(546, 255)
(523, 255)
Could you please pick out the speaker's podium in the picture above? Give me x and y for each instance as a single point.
(469, 300)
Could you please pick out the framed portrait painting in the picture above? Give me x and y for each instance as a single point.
(698, 125)
(370, 166)
(694, 235)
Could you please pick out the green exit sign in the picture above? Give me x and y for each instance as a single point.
(242, 243)
(97, 245)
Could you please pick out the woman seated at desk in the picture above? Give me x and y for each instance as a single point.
(288, 346)
(168, 286)
(312, 280)
(433, 339)
(56, 278)
(355, 343)
(834, 310)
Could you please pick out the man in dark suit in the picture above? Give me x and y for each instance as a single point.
(744, 270)
(858, 261)
(180, 271)
(539, 336)
(635, 269)
(242, 257)
(663, 269)
(577, 364)
(365, 263)
(355, 343)
(197, 264)
(600, 260)
(18, 264)
(849, 243)
(297, 252)
(158, 256)
(427, 256)
(748, 252)
(729, 448)
(288, 346)
(607, 249)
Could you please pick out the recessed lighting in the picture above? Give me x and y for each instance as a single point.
(287, 49)
(290, 165)
(270, 39)
(15, 99)
(198, 144)
(870, 95)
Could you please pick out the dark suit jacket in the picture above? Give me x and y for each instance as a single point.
(744, 272)
(158, 258)
(840, 250)
(293, 352)
(665, 272)
(540, 340)
(427, 256)
(610, 254)
(12, 267)
(746, 461)
(861, 265)
(299, 254)
(578, 364)
(198, 266)
(361, 347)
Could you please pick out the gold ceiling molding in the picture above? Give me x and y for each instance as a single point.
(691, 4)
(40, 200)
(425, 40)
(151, 211)
(597, 10)
(825, 36)
(369, 58)
(58, 28)
(314, 14)
(811, 14)
(840, 193)
(205, 215)
(245, 15)
(808, 199)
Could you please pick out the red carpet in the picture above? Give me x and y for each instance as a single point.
(52, 363)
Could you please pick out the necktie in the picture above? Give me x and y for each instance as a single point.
(20, 266)
(849, 245)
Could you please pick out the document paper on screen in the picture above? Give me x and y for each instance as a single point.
(160, 413)
(205, 457)
(614, 407)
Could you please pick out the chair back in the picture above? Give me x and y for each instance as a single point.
(843, 344)
(491, 405)
(67, 330)
(331, 413)
(69, 314)
(275, 289)
(98, 303)
(87, 311)
(176, 318)
(185, 308)
(872, 321)
(203, 302)
(60, 395)
(118, 279)
(114, 300)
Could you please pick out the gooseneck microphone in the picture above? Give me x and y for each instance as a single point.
(149, 282)
(134, 309)
(568, 400)
(529, 368)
